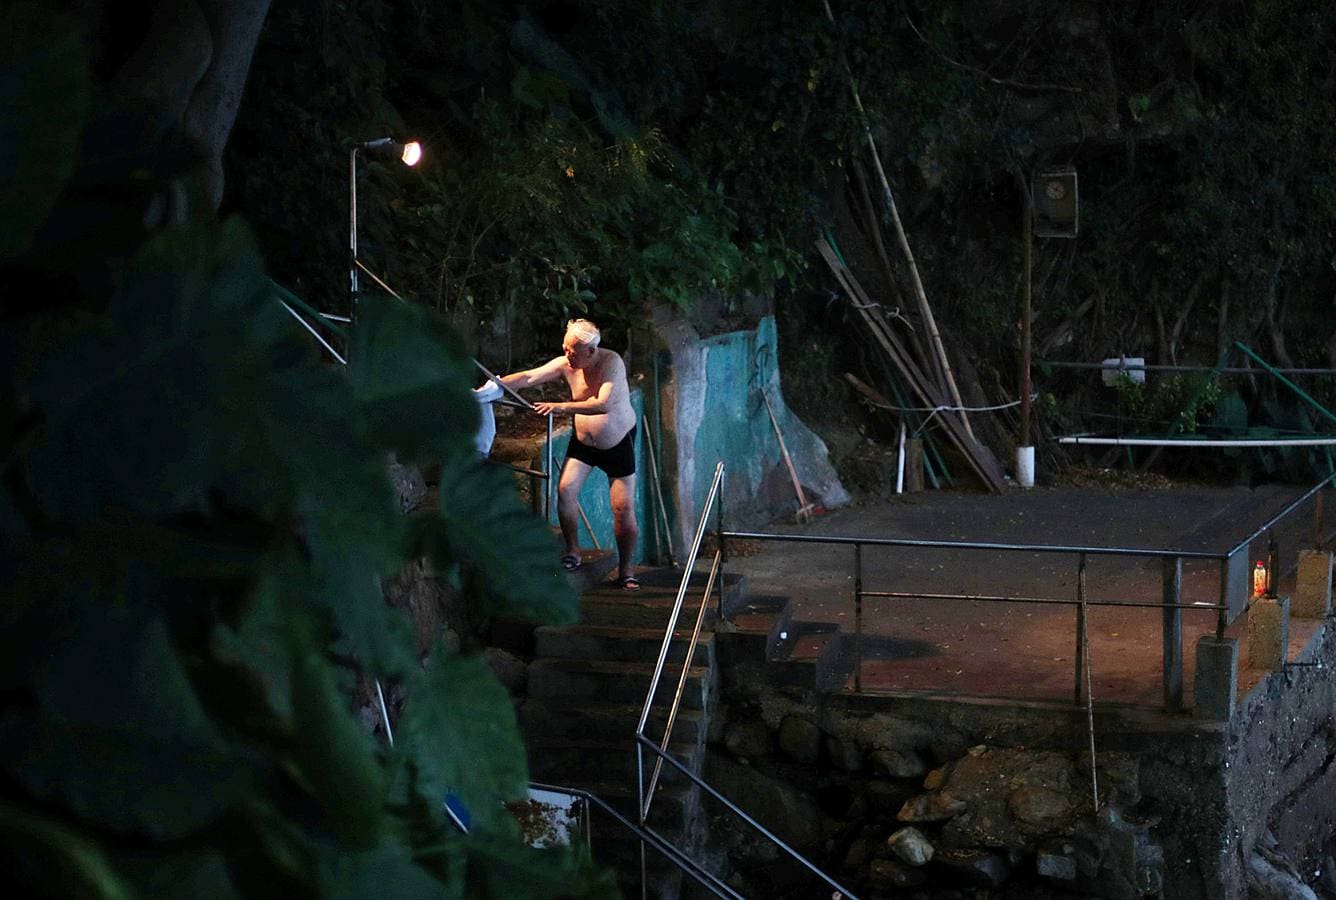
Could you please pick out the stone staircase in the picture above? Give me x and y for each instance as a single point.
(587, 683)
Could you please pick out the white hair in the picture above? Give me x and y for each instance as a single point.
(584, 331)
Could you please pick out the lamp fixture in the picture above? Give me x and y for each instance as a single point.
(410, 154)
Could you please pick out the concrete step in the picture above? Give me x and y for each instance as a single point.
(517, 635)
(650, 606)
(754, 633)
(623, 644)
(613, 682)
(543, 718)
(813, 657)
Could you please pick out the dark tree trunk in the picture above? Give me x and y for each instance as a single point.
(190, 67)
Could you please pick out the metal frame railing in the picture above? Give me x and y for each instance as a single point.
(645, 793)
(646, 837)
(1172, 604)
(289, 300)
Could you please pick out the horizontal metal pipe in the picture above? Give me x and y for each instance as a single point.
(1283, 513)
(1094, 441)
(1226, 370)
(1134, 604)
(661, 844)
(970, 545)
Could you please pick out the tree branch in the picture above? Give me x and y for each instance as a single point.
(1006, 82)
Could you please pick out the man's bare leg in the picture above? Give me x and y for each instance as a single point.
(622, 493)
(573, 475)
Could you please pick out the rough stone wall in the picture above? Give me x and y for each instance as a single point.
(713, 408)
(1282, 769)
(951, 794)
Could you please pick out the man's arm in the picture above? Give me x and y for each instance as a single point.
(548, 371)
(599, 403)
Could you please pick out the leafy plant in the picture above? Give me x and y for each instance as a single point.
(194, 522)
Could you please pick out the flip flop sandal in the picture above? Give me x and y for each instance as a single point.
(630, 583)
(570, 562)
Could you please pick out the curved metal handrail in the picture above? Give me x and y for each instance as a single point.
(645, 798)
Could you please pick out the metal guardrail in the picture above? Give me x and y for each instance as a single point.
(289, 300)
(647, 838)
(1171, 604)
(645, 793)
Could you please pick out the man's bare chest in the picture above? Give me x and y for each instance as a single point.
(584, 383)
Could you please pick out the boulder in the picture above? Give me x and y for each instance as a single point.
(886, 875)
(748, 739)
(799, 739)
(910, 846)
(898, 763)
(844, 755)
(777, 805)
(975, 867)
(1040, 808)
(936, 806)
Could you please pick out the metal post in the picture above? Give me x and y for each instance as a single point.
(1272, 561)
(723, 551)
(858, 618)
(352, 231)
(547, 463)
(1172, 584)
(1080, 626)
(1222, 618)
(1317, 520)
(1026, 241)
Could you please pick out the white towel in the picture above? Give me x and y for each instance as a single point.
(482, 441)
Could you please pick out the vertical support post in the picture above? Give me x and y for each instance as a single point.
(1272, 570)
(352, 233)
(1080, 628)
(858, 618)
(1026, 241)
(1172, 592)
(551, 476)
(723, 549)
(1317, 519)
(1222, 616)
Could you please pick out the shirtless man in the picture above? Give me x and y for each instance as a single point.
(605, 431)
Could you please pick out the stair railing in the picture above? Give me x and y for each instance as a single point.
(645, 793)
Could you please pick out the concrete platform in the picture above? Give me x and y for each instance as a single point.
(1022, 651)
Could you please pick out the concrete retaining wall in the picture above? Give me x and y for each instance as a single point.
(713, 409)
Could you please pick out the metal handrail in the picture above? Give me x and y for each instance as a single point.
(1171, 606)
(645, 798)
(647, 836)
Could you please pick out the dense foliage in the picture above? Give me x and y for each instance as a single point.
(591, 156)
(194, 523)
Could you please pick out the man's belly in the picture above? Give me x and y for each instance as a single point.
(605, 429)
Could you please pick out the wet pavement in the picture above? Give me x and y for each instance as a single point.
(1013, 650)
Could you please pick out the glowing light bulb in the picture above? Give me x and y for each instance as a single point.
(412, 153)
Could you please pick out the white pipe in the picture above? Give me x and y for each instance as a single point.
(1187, 442)
(314, 333)
(900, 466)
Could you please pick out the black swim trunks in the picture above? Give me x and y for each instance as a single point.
(617, 461)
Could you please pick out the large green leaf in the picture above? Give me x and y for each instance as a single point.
(334, 754)
(483, 522)
(121, 738)
(454, 710)
(410, 375)
(43, 71)
(386, 870)
(40, 850)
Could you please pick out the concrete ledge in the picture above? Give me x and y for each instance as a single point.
(1312, 591)
(1268, 633)
(1215, 685)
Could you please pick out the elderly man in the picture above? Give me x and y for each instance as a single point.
(604, 438)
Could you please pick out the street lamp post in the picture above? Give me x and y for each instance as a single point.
(409, 154)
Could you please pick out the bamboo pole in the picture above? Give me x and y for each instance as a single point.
(925, 311)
